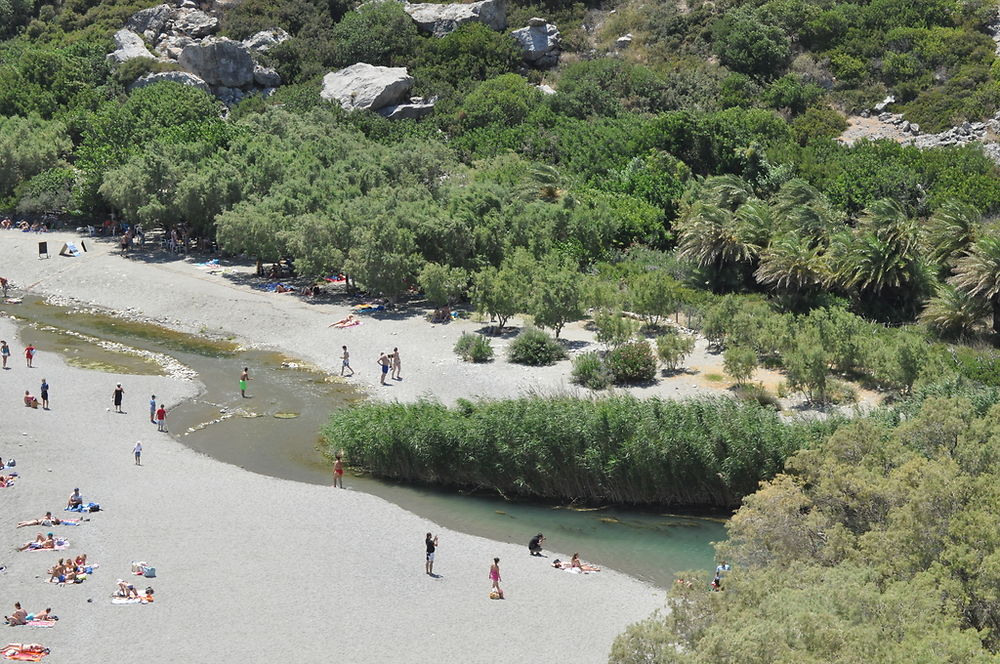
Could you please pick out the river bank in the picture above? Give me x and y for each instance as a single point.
(252, 568)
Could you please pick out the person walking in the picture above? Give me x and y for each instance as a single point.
(397, 364)
(244, 378)
(44, 389)
(383, 361)
(29, 355)
(137, 451)
(338, 472)
(345, 362)
(495, 592)
(152, 409)
(161, 418)
(118, 395)
(432, 543)
(5, 353)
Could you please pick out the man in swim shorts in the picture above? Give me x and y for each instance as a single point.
(431, 543)
(345, 361)
(383, 361)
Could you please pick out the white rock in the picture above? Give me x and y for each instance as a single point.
(545, 89)
(182, 77)
(540, 43)
(194, 23)
(266, 77)
(411, 111)
(882, 105)
(219, 61)
(150, 22)
(129, 46)
(366, 86)
(624, 41)
(439, 20)
(265, 39)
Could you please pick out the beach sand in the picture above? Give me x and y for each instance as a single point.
(253, 568)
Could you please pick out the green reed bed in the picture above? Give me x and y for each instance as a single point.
(702, 452)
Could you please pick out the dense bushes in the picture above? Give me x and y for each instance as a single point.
(839, 516)
(620, 449)
(534, 347)
(474, 348)
(589, 371)
(632, 362)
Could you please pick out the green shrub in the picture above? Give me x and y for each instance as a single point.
(535, 348)
(673, 348)
(739, 362)
(589, 370)
(757, 394)
(633, 362)
(474, 348)
(379, 33)
(818, 123)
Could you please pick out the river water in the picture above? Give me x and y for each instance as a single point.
(275, 431)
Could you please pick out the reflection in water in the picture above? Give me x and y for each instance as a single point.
(275, 432)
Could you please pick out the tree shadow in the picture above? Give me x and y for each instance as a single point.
(508, 332)
(574, 344)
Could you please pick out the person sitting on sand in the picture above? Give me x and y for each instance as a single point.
(19, 617)
(49, 520)
(81, 560)
(574, 563)
(6, 481)
(126, 590)
(75, 499)
(29, 400)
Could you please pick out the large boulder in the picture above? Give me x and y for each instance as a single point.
(540, 42)
(181, 77)
(366, 86)
(439, 20)
(219, 61)
(266, 77)
(150, 22)
(194, 23)
(128, 47)
(266, 39)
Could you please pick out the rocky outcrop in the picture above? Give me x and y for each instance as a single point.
(540, 42)
(181, 77)
(171, 46)
(266, 39)
(439, 20)
(545, 89)
(129, 46)
(266, 77)
(414, 110)
(150, 23)
(220, 62)
(193, 23)
(366, 86)
(624, 41)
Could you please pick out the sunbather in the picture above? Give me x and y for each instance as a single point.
(43, 615)
(574, 563)
(126, 590)
(6, 481)
(49, 520)
(35, 543)
(346, 322)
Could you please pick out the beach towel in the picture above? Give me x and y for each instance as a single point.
(207, 265)
(368, 306)
(16, 654)
(130, 600)
(335, 279)
(60, 545)
(273, 288)
(85, 507)
(41, 623)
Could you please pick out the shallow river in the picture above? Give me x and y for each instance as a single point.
(275, 432)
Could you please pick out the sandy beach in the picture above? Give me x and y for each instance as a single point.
(252, 568)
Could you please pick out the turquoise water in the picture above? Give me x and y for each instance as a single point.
(646, 545)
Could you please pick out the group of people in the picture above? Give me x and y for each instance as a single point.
(49, 541)
(22, 617)
(23, 225)
(70, 570)
(535, 549)
(391, 365)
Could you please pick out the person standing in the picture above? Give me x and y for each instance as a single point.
(118, 395)
(152, 409)
(29, 355)
(44, 389)
(137, 451)
(432, 543)
(161, 418)
(244, 378)
(383, 361)
(345, 362)
(397, 364)
(5, 353)
(338, 472)
(495, 578)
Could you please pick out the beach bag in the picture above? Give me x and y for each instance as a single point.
(94, 507)
(11, 463)
(149, 572)
(495, 595)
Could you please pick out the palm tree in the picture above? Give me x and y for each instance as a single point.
(884, 251)
(793, 263)
(711, 236)
(726, 191)
(953, 313)
(977, 273)
(950, 230)
(798, 206)
(546, 183)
